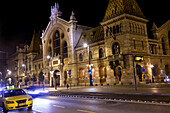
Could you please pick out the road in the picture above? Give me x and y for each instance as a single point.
(53, 104)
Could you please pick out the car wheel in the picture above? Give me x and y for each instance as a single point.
(30, 107)
(4, 109)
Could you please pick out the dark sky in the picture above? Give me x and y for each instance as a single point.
(19, 18)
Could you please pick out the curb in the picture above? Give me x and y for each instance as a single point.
(112, 99)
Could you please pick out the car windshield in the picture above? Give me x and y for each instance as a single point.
(17, 92)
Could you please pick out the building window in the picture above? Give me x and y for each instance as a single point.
(50, 51)
(35, 67)
(166, 69)
(80, 57)
(142, 45)
(163, 46)
(153, 49)
(134, 42)
(30, 67)
(90, 55)
(115, 48)
(56, 45)
(101, 54)
(39, 66)
(65, 51)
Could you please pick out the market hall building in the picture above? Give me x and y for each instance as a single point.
(115, 51)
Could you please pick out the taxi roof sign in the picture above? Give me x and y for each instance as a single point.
(10, 87)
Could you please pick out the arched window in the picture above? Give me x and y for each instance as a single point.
(115, 48)
(90, 55)
(80, 57)
(101, 54)
(56, 40)
(163, 46)
(65, 51)
(50, 51)
(169, 38)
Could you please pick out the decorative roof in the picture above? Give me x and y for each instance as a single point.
(35, 43)
(118, 7)
(91, 36)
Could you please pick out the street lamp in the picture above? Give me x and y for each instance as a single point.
(9, 75)
(24, 66)
(51, 72)
(89, 66)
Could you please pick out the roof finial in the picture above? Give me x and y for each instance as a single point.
(72, 17)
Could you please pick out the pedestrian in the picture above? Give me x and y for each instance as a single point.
(67, 86)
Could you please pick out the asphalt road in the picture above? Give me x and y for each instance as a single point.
(53, 104)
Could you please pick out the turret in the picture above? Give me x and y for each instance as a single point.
(154, 29)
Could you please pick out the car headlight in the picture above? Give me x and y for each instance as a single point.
(29, 99)
(9, 102)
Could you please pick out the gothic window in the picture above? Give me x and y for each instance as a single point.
(115, 48)
(114, 30)
(101, 54)
(90, 55)
(117, 29)
(130, 26)
(80, 57)
(107, 31)
(163, 46)
(65, 51)
(169, 38)
(56, 40)
(121, 27)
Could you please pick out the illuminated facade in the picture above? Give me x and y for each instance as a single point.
(122, 34)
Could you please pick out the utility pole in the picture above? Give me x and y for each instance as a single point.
(133, 57)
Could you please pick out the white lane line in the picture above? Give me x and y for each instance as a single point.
(85, 111)
(37, 111)
(58, 106)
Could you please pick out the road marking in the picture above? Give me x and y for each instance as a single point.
(85, 111)
(35, 111)
(58, 106)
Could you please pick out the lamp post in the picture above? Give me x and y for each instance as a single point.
(89, 66)
(51, 71)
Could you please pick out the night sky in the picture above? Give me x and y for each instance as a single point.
(19, 18)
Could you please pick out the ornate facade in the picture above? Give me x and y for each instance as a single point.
(116, 51)
(116, 47)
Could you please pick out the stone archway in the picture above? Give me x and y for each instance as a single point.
(118, 73)
(103, 75)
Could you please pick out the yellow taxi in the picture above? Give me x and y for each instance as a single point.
(15, 98)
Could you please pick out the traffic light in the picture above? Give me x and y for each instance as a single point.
(91, 80)
(90, 72)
